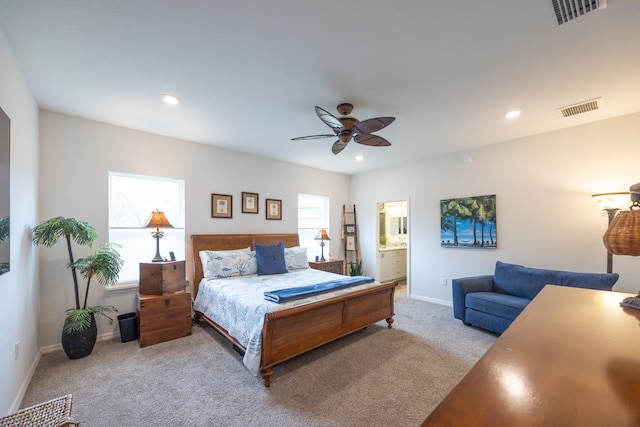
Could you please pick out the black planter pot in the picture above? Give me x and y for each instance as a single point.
(80, 344)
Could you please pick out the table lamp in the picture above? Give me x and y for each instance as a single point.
(322, 236)
(158, 221)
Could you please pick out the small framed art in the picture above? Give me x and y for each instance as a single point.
(221, 206)
(274, 209)
(249, 202)
(351, 243)
(350, 229)
(349, 218)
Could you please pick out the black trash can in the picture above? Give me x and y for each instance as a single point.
(128, 327)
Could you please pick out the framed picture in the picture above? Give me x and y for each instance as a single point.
(469, 222)
(351, 243)
(221, 206)
(350, 229)
(249, 202)
(274, 209)
(349, 218)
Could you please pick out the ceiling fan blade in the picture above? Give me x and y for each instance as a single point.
(372, 125)
(338, 146)
(300, 138)
(372, 140)
(329, 119)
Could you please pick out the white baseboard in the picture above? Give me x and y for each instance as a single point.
(433, 300)
(15, 406)
(102, 337)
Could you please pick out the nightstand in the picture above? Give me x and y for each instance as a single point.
(332, 266)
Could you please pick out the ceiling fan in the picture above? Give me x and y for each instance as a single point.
(347, 127)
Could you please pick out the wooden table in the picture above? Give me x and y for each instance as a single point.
(572, 358)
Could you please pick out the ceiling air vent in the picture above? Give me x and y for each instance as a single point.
(566, 10)
(582, 107)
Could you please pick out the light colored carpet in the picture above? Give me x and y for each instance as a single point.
(375, 377)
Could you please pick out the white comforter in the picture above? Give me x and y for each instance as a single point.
(238, 305)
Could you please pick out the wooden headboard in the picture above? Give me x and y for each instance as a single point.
(226, 242)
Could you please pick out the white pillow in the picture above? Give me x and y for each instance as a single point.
(296, 258)
(223, 264)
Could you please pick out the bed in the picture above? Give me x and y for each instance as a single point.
(292, 331)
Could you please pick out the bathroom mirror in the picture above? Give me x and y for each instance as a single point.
(398, 225)
(4, 191)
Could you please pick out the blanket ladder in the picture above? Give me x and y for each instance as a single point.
(350, 239)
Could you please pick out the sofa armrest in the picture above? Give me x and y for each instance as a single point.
(461, 287)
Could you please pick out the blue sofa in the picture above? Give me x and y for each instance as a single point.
(492, 302)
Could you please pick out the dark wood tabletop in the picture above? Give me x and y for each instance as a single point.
(572, 358)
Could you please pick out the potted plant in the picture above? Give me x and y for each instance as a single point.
(355, 269)
(80, 330)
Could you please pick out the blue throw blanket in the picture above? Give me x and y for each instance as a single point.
(284, 295)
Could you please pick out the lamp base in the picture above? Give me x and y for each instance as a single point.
(157, 258)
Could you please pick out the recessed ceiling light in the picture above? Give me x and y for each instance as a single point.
(359, 157)
(512, 114)
(170, 99)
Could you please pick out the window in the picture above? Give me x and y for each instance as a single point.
(132, 198)
(313, 214)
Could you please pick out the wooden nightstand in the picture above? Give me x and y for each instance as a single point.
(332, 266)
(163, 317)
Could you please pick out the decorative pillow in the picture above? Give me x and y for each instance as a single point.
(223, 264)
(270, 258)
(296, 258)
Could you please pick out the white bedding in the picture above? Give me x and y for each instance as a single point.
(238, 305)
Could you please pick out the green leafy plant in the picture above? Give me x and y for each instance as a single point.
(105, 265)
(355, 269)
(383, 240)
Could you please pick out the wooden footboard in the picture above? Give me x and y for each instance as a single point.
(289, 333)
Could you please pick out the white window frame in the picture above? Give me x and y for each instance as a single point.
(310, 222)
(127, 229)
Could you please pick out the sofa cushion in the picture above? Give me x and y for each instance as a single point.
(526, 282)
(487, 321)
(502, 305)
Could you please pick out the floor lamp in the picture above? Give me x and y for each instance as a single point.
(612, 203)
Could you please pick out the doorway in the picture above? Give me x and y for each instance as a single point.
(393, 242)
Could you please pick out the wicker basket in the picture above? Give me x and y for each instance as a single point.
(53, 413)
(623, 235)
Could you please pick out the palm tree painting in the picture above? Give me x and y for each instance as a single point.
(468, 222)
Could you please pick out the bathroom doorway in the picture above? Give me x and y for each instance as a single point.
(392, 260)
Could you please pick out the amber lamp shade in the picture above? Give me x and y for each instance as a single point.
(158, 220)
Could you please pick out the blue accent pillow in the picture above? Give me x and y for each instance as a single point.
(270, 259)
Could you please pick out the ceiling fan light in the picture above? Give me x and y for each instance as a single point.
(344, 136)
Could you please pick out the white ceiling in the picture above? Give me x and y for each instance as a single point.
(250, 72)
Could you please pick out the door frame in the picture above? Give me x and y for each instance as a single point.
(407, 235)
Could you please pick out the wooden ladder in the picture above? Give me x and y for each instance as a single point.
(350, 239)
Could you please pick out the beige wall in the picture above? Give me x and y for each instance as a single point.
(76, 156)
(543, 186)
(19, 287)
